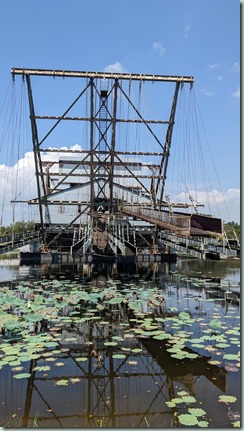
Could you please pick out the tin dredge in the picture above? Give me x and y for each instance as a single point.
(104, 198)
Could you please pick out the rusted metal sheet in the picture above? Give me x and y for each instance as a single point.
(206, 223)
(182, 223)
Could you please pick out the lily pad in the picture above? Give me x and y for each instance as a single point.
(197, 412)
(227, 399)
(62, 382)
(22, 376)
(188, 420)
(119, 356)
(110, 343)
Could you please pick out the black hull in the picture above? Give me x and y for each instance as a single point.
(38, 258)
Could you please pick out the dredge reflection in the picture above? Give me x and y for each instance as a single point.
(103, 372)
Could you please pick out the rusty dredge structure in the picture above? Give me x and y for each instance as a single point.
(104, 198)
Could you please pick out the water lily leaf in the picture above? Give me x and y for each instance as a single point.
(119, 356)
(184, 316)
(115, 300)
(203, 424)
(22, 376)
(110, 343)
(161, 336)
(14, 363)
(189, 399)
(24, 358)
(170, 404)
(10, 358)
(82, 359)
(187, 419)
(42, 368)
(84, 296)
(75, 379)
(191, 355)
(231, 356)
(222, 345)
(197, 412)
(62, 382)
(38, 300)
(134, 306)
(34, 317)
(197, 346)
(227, 399)
(173, 349)
(177, 400)
(51, 344)
(215, 324)
(137, 350)
(179, 355)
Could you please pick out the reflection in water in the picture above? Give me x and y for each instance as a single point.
(107, 370)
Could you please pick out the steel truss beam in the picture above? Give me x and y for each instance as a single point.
(101, 75)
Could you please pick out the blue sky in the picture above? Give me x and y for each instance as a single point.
(177, 37)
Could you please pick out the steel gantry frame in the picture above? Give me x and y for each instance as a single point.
(102, 157)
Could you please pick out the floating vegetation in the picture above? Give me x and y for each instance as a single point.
(63, 333)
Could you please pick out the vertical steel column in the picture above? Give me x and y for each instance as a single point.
(166, 152)
(112, 150)
(92, 143)
(37, 158)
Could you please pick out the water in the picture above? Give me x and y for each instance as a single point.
(101, 364)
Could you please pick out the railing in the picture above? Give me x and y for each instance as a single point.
(197, 247)
(12, 242)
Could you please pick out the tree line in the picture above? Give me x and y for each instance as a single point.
(21, 227)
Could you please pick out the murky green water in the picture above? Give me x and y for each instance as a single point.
(131, 346)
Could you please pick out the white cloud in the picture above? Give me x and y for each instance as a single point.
(236, 93)
(236, 67)
(159, 47)
(208, 93)
(187, 28)
(115, 68)
(213, 66)
(19, 180)
(225, 205)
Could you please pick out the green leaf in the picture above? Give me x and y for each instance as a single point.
(191, 355)
(22, 376)
(62, 382)
(227, 399)
(42, 368)
(38, 300)
(177, 400)
(215, 324)
(136, 350)
(110, 343)
(115, 300)
(230, 357)
(189, 399)
(170, 404)
(184, 316)
(84, 296)
(197, 412)
(34, 317)
(119, 356)
(134, 306)
(203, 424)
(189, 420)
